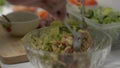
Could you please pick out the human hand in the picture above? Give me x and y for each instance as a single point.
(57, 8)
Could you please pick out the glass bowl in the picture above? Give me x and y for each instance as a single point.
(113, 29)
(94, 57)
(113, 4)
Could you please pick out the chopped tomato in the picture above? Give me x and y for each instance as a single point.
(75, 2)
(43, 14)
(87, 2)
(90, 2)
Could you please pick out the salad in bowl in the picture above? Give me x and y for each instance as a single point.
(103, 17)
(52, 46)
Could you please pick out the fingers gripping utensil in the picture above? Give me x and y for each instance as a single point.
(52, 6)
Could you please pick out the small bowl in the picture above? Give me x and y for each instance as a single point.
(21, 22)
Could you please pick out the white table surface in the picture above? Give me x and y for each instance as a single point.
(112, 61)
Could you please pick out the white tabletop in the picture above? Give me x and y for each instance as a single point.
(112, 61)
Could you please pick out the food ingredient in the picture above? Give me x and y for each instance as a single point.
(87, 2)
(60, 40)
(75, 2)
(2, 2)
(103, 15)
(43, 14)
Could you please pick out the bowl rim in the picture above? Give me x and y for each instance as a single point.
(37, 18)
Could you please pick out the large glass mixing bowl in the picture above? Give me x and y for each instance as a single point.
(93, 58)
